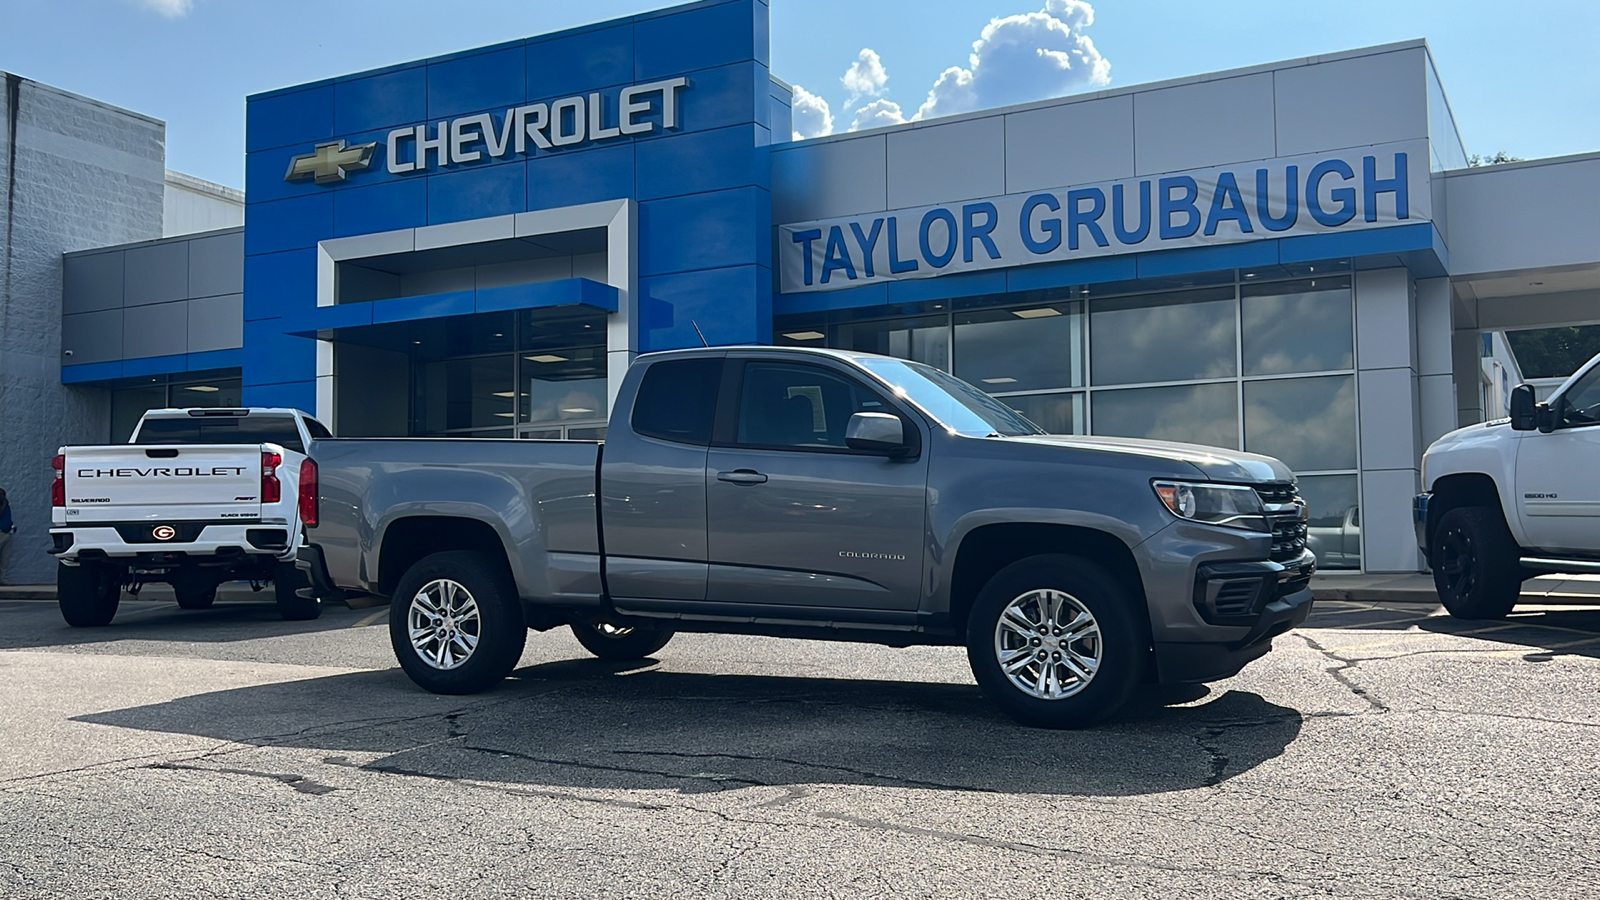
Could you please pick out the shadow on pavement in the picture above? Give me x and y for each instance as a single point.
(1559, 631)
(31, 625)
(597, 725)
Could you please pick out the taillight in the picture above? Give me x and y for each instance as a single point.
(271, 487)
(308, 493)
(58, 488)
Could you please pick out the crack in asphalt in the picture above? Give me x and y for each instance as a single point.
(1498, 715)
(863, 773)
(1340, 671)
(299, 782)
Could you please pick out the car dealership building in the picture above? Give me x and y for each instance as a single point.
(1293, 258)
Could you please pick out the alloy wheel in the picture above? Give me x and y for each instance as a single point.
(444, 624)
(1048, 644)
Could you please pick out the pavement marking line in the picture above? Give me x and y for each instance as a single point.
(362, 623)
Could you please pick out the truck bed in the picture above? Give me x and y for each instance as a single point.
(537, 496)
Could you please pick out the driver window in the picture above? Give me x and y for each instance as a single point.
(1581, 404)
(798, 406)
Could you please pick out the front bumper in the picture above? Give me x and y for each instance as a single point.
(194, 544)
(1261, 599)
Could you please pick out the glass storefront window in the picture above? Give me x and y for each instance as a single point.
(986, 343)
(1193, 413)
(1309, 423)
(923, 340)
(1334, 531)
(1055, 413)
(453, 394)
(1299, 326)
(1163, 337)
(128, 404)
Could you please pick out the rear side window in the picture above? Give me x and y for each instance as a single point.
(318, 430)
(677, 400)
(222, 430)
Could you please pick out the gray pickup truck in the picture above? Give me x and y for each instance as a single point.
(825, 495)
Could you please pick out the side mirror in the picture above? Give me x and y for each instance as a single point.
(1524, 416)
(875, 432)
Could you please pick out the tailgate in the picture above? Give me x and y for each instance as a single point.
(139, 483)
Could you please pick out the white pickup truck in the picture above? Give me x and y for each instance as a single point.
(196, 497)
(1514, 498)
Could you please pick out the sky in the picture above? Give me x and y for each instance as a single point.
(1521, 78)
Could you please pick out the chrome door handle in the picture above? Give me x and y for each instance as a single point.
(742, 476)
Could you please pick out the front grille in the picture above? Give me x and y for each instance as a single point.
(1286, 513)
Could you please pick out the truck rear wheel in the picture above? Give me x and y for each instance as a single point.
(456, 624)
(1476, 568)
(1054, 640)
(620, 642)
(286, 583)
(88, 594)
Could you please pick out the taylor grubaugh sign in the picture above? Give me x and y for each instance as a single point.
(1369, 187)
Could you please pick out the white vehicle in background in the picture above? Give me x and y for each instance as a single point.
(1514, 498)
(197, 497)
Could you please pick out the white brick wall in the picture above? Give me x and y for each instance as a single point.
(74, 174)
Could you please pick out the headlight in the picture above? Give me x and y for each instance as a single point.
(1227, 505)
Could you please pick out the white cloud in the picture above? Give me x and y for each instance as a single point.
(877, 114)
(865, 77)
(1022, 58)
(812, 117)
(172, 9)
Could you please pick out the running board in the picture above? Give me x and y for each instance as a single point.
(1547, 564)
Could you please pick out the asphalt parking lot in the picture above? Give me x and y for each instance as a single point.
(1381, 751)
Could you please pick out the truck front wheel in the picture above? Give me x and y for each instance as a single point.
(620, 642)
(88, 594)
(1055, 642)
(456, 624)
(1475, 564)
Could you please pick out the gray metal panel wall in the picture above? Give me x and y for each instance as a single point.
(172, 296)
(1300, 106)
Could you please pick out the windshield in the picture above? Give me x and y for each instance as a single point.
(957, 405)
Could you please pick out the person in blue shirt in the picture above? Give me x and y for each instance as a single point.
(8, 529)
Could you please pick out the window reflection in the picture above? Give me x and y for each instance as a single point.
(987, 343)
(1309, 423)
(1334, 532)
(463, 393)
(923, 340)
(1300, 326)
(1055, 413)
(1196, 414)
(1164, 337)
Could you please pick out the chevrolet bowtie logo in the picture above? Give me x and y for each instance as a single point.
(330, 162)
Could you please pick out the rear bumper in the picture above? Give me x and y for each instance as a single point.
(214, 544)
(1282, 601)
(310, 561)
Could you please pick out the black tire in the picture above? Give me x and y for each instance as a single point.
(194, 596)
(286, 581)
(622, 643)
(501, 631)
(1121, 642)
(1476, 567)
(88, 594)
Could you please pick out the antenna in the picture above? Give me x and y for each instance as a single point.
(699, 332)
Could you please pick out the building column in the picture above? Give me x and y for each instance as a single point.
(622, 273)
(1390, 412)
(1436, 386)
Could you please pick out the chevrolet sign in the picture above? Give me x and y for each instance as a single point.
(598, 116)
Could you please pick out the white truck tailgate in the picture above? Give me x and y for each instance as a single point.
(141, 483)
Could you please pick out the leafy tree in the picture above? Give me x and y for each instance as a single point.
(1500, 156)
(1554, 352)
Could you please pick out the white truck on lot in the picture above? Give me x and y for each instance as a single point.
(1514, 498)
(197, 497)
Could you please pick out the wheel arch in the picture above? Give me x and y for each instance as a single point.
(987, 549)
(1461, 489)
(409, 539)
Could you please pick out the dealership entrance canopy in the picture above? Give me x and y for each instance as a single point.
(1293, 258)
